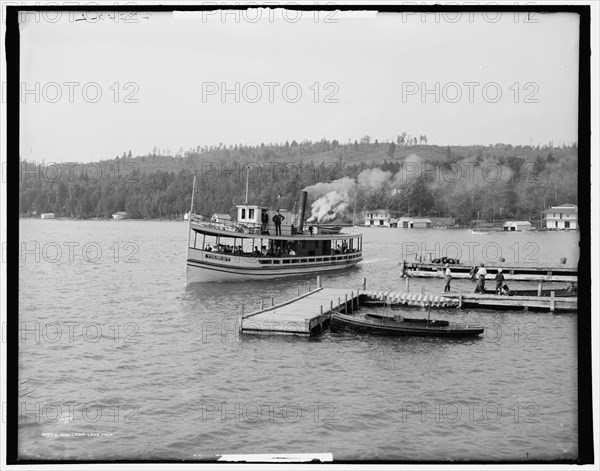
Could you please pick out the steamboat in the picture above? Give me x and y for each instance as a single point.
(253, 247)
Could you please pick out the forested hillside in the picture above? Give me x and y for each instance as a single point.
(463, 182)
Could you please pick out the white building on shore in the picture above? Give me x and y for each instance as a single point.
(510, 226)
(381, 218)
(561, 217)
(120, 215)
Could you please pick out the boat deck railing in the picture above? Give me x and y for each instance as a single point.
(271, 259)
(255, 228)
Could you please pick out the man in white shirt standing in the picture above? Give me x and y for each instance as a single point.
(448, 275)
(481, 279)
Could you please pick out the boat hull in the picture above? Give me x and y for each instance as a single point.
(390, 327)
(211, 267)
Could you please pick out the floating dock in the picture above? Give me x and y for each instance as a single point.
(305, 314)
(493, 301)
(512, 273)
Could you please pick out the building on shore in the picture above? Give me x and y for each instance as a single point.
(420, 223)
(561, 217)
(406, 222)
(381, 218)
(220, 218)
(47, 216)
(120, 215)
(510, 226)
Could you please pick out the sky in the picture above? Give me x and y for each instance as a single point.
(95, 88)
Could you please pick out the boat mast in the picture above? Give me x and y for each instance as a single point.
(190, 217)
(247, 178)
(354, 213)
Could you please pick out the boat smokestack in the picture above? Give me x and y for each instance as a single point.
(302, 211)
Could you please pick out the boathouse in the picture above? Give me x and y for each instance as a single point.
(47, 216)
(380, 217)
(561, 217)
(418, 223)
(120, 215)
(517, 226)
(404, 222)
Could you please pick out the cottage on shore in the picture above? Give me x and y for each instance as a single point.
(381, 218)
(561, 217)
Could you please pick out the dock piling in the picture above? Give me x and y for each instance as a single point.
(346, 305)
(352, 302)
(364, 284)
(262, 304)
(339, 304)
(540, 283)
(272, 300)
(552, 302)
(319, 285)
(298, 291)
(407, 284)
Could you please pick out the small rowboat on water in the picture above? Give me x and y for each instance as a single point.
(399, 326)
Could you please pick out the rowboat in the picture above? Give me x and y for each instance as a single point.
(401, 326)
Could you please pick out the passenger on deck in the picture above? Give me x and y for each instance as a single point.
(277, 220)
(208, 248)
(310, 230)
(256, 251)
(264, 250)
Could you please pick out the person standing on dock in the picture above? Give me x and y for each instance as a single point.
(277, 220)
(448, 275)
(480, 288)
(499, 281)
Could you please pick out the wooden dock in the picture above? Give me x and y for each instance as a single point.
(305, 314)
(512, 273)
(493, 301)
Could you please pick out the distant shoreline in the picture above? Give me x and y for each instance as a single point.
(66, 218)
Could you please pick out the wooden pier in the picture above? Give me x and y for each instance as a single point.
(493, 301)
(512, 273)
(305, 314)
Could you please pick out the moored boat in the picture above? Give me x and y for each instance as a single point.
(400, 326)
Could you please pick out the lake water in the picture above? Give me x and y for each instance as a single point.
(119, 359)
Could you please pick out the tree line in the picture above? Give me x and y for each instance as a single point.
(462, 182)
